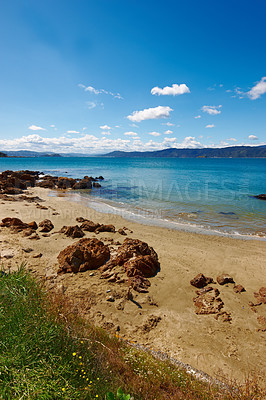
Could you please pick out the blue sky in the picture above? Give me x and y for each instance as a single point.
(95, 76)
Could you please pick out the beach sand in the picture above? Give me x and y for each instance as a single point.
(234, 349)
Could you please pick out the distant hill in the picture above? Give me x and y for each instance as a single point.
(28, 153)
(3, 154)
(225, 152)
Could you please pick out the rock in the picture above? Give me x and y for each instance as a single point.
(262, 322)
(146, 266)
(33, 225)
(65, 183)
(206, 290)
(208, 303)
(261, 296)
(260, 196)
(224, 316)
(15, 223)
(105, 228)
(47, 183)
(200, 281)
(89, 226)
(34, 236)
(110, 299)
(224, 278)
(139, 283)
(38, 255)
(81, 219)
(239, 288)
(46, 225)
(151, 323)
(84, 183)
(86, 254)
(96, 185)
(27, 250)
(72, 231)
(100, 178)
(28, 232)
(122, 232)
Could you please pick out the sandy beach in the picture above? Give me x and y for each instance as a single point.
(164, 318)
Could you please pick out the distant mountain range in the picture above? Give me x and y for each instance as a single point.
(225, 152)
(27, 153)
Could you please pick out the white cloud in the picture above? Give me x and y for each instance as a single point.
(232, 139)
(258, 90)
(130, 134)
(36, 128)
(150, 113)
(92, 90)
(253, 137)
(173, 90)
(197, 117)
(106, 133)
(154, 133)
(168, 123)
(90, 144)
(212, 110)
(168, 132)
(72, 132)
(91, 104)
(210, 126)
(105, 127)
(52, 126)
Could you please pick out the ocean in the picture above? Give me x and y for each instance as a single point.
(195, 194)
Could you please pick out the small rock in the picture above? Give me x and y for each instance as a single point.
(38, 255)
(122, 232)
(261, 296)
(200, 281)
(91, 274)
(34, 236)
(46, 225)
(239, 288)
(224, 278)
(110, 299)
(27, 249)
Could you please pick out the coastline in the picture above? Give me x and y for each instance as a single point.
(207, 344)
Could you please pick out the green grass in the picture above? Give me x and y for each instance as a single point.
(48, 352)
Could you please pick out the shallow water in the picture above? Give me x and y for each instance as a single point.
(200, 194)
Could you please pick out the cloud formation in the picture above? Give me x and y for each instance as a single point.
(36, 128)
(150, 113)
(105, 127)
(72, 132)
(92, 90)
(212, 110)
(210, 126)
(154, 133)
(130, 134)
(253, 137)
(174, 90)
(258, 90)
(198, 116)
(168, 132)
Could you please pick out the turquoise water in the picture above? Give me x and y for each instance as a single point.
(200, 194)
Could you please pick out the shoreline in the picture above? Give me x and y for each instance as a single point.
(101, 205)
(213, 346)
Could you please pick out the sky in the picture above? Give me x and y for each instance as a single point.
(93, 76)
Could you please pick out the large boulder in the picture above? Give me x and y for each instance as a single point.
(88, 225)
(105, 228)
(14, 223)
(224, 278)
(146, 266)
(86, 254)
(261, 196)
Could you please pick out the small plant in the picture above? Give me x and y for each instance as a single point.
(120, 395)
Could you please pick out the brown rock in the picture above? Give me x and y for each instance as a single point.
(72, 231)
(139, 283)
(208, 303)
(206, 290)
(89, 226)
(83, 184)
(224, 316)
(132, 248)
(47, 183)
(84, 255)
(105, 228)
(14, 223)
(46, 225)
(200, 281)
(33, 225)
(28, 232)
(34, 236)
(239, 288)
(38, 255)
(146, 266)
(224, 278)
(122, 232)
(96, 185)
(261, 295)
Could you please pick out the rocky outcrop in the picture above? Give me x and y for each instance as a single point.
(135, 258)
(260, 196)
(105, 228)
(200, 281)
(86, 254)
(208, 302)
(89, 226)
(72, 231)
(17, 225)
(260, 296)
(239, 289)
(224, 278)
(46, 225)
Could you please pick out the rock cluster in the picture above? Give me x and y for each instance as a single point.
(14, 182)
